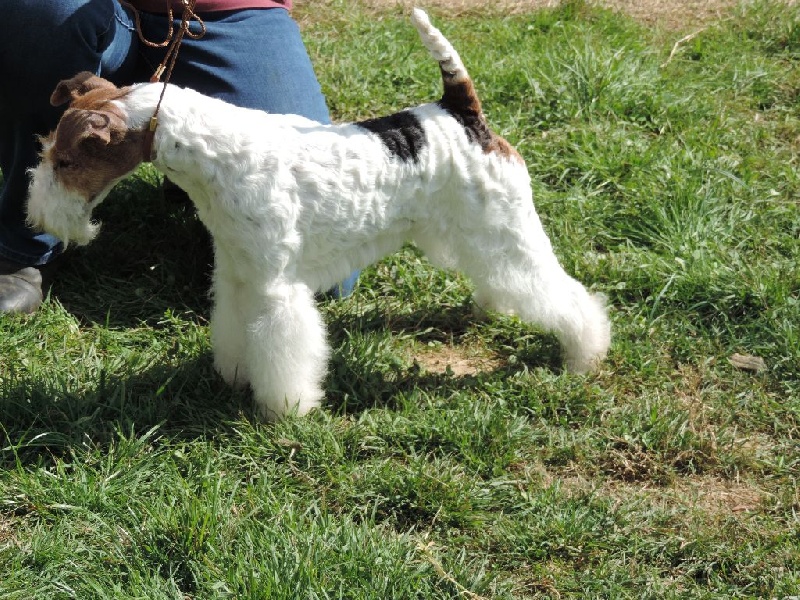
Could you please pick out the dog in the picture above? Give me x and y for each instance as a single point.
(295, 206)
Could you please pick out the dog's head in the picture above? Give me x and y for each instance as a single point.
(90, 150)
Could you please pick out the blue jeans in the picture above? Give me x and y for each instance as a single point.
(251, 58)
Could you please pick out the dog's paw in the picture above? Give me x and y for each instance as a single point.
(275, 411)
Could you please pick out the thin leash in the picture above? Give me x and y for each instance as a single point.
(172, 43)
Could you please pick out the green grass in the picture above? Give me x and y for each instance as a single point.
(129, 470)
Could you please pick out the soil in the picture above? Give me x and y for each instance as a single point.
(668, 14)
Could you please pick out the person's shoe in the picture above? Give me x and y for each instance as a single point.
(22, 288)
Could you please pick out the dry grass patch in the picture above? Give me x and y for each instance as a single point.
(5, 530)
(456, 360)
(708, 495)
(668, 14)
(672, 14)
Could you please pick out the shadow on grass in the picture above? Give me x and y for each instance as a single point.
(42, 421)
(152, 256)
(450, 323)
(366, 371)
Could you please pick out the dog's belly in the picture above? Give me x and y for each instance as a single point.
(322, 266)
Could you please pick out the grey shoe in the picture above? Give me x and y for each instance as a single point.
(23, 288)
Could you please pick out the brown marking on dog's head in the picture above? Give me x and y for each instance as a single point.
(68, 90)
(461, 100)
(92, 145)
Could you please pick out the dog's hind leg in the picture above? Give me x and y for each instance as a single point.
(558, 304)
(516, 272)
(530, 283)
(287, 350)
(228, 330)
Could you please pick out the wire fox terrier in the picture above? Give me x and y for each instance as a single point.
(295, 206)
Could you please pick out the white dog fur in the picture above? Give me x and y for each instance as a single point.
(295, 206)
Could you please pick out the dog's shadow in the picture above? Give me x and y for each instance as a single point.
(152, 256)
(367, 372)
(44, 419)
(155, 258)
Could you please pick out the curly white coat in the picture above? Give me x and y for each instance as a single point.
(295, 206)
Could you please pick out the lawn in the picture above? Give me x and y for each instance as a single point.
(454, 458)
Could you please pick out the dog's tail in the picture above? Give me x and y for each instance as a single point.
(460, 98)
(459, 93)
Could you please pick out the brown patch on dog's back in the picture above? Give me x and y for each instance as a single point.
(461, 100)
(499, 145)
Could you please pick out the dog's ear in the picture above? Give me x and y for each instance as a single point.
(98, 126)
(83, 125)
(74, 87)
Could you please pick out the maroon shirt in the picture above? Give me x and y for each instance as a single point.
(160, 6)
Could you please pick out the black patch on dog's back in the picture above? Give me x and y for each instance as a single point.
(401, 133)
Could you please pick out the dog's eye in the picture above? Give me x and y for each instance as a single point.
(62, 163)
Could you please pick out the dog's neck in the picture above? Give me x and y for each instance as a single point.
(172, 146)
(149, 136)
(176, 148)
(160, 124)
(143, 110)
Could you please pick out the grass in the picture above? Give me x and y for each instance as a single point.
(454, 458)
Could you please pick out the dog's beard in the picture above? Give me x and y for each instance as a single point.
(59, 212)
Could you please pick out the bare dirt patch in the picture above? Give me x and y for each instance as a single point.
(671, 14)
(705, 494)
(454, 360)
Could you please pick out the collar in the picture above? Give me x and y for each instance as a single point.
(149, 137)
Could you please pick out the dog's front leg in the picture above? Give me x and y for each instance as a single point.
(229, 327)
(287, 349)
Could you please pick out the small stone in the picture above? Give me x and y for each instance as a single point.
(747, 362)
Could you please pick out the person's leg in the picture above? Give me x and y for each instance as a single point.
(251, 58)
(41, 43)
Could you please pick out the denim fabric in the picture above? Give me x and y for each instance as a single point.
(252, 58)
(41, 43)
